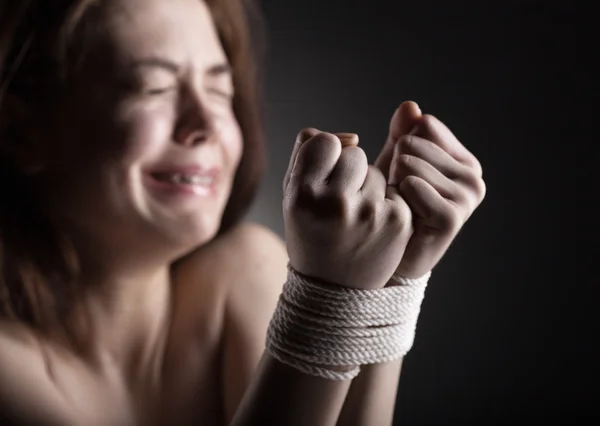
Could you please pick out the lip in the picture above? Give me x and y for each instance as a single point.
(186, 189)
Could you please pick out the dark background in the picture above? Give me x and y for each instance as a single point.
(496, 338)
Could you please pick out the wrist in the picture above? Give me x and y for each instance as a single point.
(408, 279)
(332, 331)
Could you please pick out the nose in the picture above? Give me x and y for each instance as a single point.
(195, 123)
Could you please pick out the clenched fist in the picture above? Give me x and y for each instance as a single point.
(437, 176)
(343, 223)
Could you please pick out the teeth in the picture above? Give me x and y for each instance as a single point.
(179, 178)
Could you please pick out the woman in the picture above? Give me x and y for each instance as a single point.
(130, 147)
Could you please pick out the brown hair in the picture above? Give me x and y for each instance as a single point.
(40, 43)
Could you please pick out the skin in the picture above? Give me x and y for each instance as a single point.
(442, 183)
(183, 345)
(123, 116)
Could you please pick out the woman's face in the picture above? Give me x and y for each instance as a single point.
(145, 148)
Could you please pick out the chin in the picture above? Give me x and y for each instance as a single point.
(190, 236)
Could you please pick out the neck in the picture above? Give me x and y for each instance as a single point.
(127, 300)
(123, 288)
(129, 316)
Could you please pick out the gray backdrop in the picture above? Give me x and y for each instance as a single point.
(496, 328)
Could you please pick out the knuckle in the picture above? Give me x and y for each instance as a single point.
(332, 205)
(406, 144)
(353, 155)
(367, 211)
(302, 196)
(412, 182)
(399, 216)
(449, 218)
(461, 197)
(480, 189)
(307, 188)
(407, 161)
(475, 183)
(319, 204)
(316, 154)
(477, 166)
(472, 163)
(325, 137)
(320, 142)
(357, 153)
(426, 125)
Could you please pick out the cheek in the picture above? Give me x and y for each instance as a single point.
(145, 133)
(232, 140)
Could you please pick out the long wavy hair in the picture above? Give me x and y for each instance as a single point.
(41, 44)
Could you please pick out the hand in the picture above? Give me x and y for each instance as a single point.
(343, 224)
(437, 176)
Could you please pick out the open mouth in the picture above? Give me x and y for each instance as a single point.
(183, 183)
(183, 179)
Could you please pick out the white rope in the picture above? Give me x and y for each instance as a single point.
(318, 328)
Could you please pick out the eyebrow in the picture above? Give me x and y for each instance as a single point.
(155, 62)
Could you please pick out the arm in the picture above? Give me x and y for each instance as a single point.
(371, 399)
(317, 401)
(261, 259)
(424, 160)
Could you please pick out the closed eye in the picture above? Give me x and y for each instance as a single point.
(222, 93)
(160, 90)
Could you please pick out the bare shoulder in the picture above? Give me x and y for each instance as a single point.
(249, 258)
(245, 271)
(27, 394)
(258, 272)
(260, 258)
(233, 283)
(19, 357)
(256, 246)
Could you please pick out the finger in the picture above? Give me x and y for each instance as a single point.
(405, 165)
(302, 137)
(469, 186)
(350, 171)
(374, 185)
(434, 155)
(432, 129)
(429, 206)
(348, 139)
(403, 121)
(398, 208)
(316, 159)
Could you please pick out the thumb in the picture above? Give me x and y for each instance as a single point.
(302, 137)
(403, 121)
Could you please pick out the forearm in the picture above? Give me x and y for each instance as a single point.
(282, 395)
(372, 396)
(371, 399)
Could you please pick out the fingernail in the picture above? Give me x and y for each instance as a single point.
(414, 105)
(348, 139)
